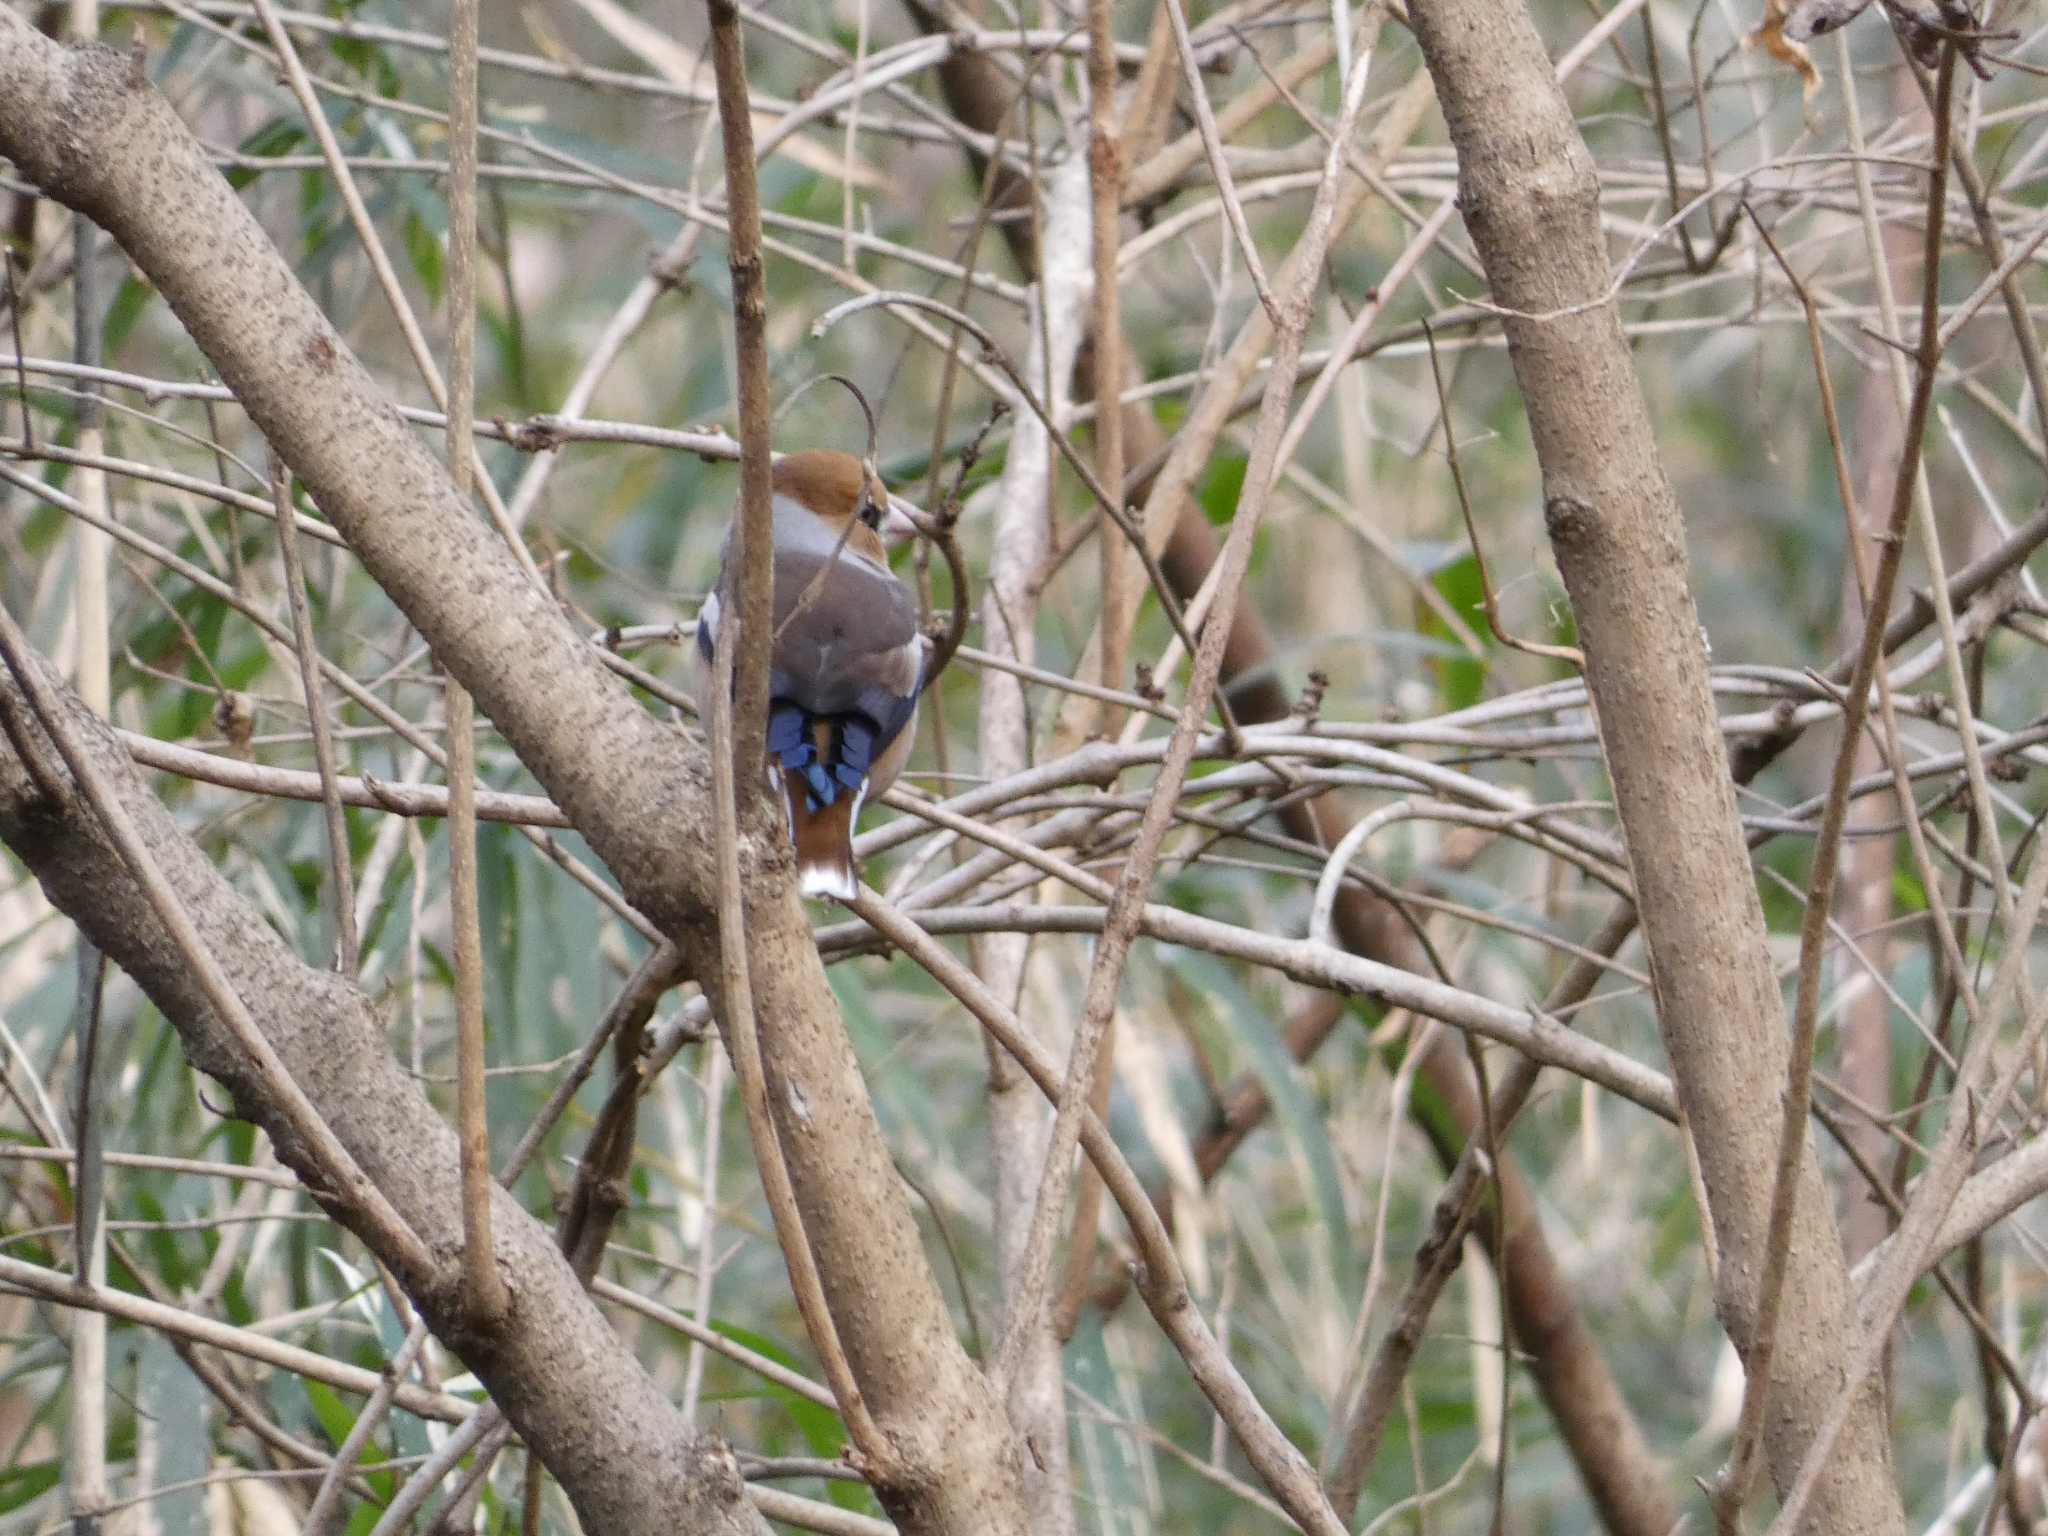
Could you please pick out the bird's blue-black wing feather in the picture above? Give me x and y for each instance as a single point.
(854, 741)
(820, 681)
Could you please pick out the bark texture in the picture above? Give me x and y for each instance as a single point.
(1530, 199)
(107, 145)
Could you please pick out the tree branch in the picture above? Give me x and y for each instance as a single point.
(752, 574)
(486, 1288)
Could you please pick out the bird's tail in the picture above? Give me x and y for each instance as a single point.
(824, 841)
(822, 792)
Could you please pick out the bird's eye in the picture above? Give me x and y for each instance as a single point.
(869, 512)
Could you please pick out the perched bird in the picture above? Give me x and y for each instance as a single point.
(847, 662)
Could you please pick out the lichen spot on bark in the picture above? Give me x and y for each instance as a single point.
(727, 1483)
(1568, 519)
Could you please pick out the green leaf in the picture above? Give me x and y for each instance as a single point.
(371, 61)
(1221, 485)
(335, 1417)
(130, 300)
(23, 1484)
(429, 259)
(1460, 676)
(169, 1259)
(171, 1398)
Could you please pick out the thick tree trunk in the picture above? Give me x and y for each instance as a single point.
(1531, 200)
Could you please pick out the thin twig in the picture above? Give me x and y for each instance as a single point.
(751, 570)
(1226, 187)
(86, 1467)
(395, 799)
(715, 1068)
(1105, 182)
(1127, 903)
(701, 1333)
(1436, 1260)
(487, 1296)
(1489, 596)
(62, 1289)
(630, 1010)
(738, 723)
(14, 303)
(87, 1429)
(349, 954)
(90, 615)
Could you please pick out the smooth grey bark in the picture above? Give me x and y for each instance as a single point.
(1530, 197)
(554, 1364)
(98, 139)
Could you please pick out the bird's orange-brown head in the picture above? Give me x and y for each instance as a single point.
(840, 489)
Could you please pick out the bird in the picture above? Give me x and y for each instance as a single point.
(847, 661)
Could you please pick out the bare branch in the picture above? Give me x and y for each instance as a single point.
(737, 1015)
(348, 944)
(1733, 1489)
(754, 578)
(480, 1274)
